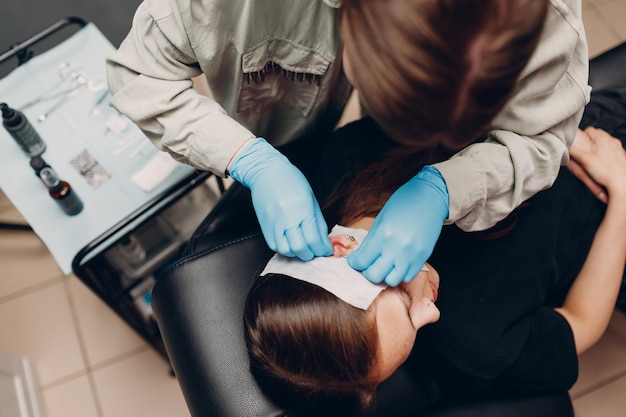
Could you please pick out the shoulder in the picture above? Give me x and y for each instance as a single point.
(567, 11)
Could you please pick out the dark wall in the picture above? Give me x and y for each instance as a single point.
(21, 19)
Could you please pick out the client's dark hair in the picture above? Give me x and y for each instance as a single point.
(302, 360)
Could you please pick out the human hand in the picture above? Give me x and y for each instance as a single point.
(603, 158)
(405, 231)
(583, 143)
(290, 217)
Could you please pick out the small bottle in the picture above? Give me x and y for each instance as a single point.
(16, 123)
(61, 192)
(131, 249)
(37, 163)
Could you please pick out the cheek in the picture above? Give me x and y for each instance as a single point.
(395, 329)
(409, 340)
(405, 344)
(395, 345)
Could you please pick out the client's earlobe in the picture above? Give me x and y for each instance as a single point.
(342, 245)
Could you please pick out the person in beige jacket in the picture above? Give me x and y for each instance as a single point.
(275, 71)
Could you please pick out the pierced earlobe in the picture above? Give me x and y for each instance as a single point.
(343, 245)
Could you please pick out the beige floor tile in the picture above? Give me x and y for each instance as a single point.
(605, 360)
(599, 3)
(9, 214)
(104, 333)
(39, 325)
(70, 399)
(24, 262)
(614, 12)
(5, 203)
(609, 401)
(139, 386)
(600, 36)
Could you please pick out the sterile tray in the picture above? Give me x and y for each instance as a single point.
(120, 176)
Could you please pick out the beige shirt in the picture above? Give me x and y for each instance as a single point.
(235, 44)
(274, 72)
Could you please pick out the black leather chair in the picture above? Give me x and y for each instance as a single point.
(608, 69)
(198, 304)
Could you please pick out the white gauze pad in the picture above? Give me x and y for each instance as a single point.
(331, 273)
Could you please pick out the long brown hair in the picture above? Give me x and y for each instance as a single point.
(299, 355)
(438, 71)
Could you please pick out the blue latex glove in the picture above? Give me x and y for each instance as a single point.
(405, 231)
(290, 217)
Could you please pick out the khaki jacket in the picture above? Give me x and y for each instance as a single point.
(273, 68)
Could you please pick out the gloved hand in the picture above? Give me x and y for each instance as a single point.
(405, 231)
(290, 217)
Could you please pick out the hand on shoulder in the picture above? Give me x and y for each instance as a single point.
(603, 159)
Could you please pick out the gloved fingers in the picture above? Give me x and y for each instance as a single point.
(297, 244)
(316, 237)
(414, 269)
(322, 227)
(282, 243)
(378, 270)
(268, 234)
(420, 284)
(367, 252)
(398, 272)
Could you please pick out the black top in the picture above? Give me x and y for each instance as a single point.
(498, 329)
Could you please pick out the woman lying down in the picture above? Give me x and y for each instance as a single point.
(506, 309)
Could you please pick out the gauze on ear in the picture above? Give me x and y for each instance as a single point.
(332, 274)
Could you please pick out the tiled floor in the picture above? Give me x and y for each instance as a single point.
(91, 364)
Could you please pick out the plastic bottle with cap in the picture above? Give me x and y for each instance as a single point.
(61, 192)
(37, 163)
(16, 123)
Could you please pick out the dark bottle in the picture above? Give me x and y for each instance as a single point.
(16, 123)
(61, 192)
(37, 163)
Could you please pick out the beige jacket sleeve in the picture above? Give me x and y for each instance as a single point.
(150, 80)
(531, 136)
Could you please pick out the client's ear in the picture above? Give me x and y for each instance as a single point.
(342, 245)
